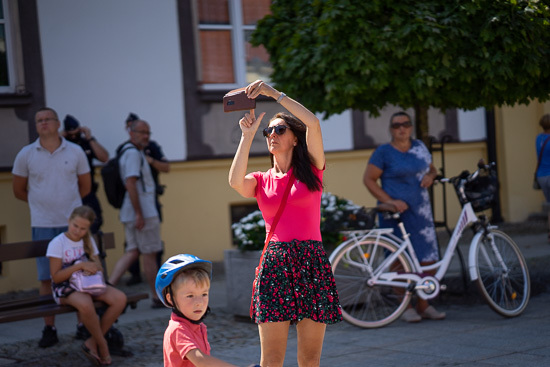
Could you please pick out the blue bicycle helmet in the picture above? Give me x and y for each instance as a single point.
(175, 264)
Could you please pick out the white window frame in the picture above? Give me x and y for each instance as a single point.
(237, 29)
(10, 88)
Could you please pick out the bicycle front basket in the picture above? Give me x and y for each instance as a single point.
(357, 219)
(481, 192)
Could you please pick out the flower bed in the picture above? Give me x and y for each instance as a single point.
(337, 214)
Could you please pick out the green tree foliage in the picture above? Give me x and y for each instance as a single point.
(335, 55)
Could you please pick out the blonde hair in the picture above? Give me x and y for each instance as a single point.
(199, 276)
(87, 213)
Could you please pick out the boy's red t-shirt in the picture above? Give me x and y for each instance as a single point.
(182, 336)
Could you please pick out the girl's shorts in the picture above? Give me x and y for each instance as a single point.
(61, 290)
(295, 282)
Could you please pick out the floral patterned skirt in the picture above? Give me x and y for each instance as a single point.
(295, 282)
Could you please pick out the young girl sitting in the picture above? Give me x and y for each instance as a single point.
(63, 251)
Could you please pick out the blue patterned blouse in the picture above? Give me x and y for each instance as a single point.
(402, 173)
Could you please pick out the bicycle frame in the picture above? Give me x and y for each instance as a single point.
(378, 272)
(395, 279)
(467, 216)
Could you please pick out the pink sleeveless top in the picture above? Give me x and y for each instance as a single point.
(301, 218)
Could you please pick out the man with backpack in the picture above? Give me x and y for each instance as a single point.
(138, 212)
(158, 163)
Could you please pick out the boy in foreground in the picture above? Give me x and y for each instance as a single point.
(183, 283)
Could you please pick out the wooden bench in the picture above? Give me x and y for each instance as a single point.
(41, 306)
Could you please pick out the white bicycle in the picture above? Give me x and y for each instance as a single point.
(377, 272)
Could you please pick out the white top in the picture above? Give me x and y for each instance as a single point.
(62, 247)
(131, 163)
(52, 181)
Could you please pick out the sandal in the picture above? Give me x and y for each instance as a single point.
(94, 358)
(431, 313)
(410, 315)
(106, 361)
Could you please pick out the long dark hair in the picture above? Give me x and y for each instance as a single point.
(301, 160)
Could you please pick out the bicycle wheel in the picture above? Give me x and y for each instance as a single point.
(503, 277)
(364, 305)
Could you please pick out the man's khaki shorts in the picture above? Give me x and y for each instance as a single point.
(147, 240)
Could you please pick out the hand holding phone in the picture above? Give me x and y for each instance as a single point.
(237, 100)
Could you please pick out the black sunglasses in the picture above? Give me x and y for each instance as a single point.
(279, 130)
(397, 125)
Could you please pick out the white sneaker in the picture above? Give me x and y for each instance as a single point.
(410, 315)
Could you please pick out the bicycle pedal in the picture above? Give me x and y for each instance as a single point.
(443, 287)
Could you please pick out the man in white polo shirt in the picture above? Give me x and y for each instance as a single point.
(52, 175)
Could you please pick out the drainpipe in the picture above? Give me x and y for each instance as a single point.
(492, 156)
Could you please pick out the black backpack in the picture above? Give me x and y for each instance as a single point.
(112, 182)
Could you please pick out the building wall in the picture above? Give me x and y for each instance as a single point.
(18, 136)
(104, 59)
(197, 202)
(101, 60)
(517, 128)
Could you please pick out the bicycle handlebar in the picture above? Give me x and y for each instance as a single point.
(390, 211)
(466, 175)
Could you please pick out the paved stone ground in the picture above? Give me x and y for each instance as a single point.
(472, 335)
(237, 340)
(143, 338)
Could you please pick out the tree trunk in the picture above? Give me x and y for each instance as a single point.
(421, 122)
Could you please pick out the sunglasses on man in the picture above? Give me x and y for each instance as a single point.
(279, 130)
(397, 125)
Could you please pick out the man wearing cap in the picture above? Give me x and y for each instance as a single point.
(52, 175)
(138, 213)
(158, 163)
(156, 159)
(82, 136)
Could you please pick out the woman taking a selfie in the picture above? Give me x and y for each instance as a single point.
(294, 283)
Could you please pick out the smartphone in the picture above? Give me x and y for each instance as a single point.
(237, 100)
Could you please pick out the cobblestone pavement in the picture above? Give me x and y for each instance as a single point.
(143, 338)
(524, 340)
(472, 335)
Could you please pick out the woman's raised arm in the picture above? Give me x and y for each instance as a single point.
(238, 180)
(314, 137)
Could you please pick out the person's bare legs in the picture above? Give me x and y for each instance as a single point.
(273, 339)
(116, 302)
(424, 309)
(122, 265)
(150, 270)
(422, 304)
(85, 305)
(310, 342)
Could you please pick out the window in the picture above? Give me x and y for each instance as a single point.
(226, 59)
(7, 82)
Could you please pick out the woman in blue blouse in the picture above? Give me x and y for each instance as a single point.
(543, 171)
(405, 169)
